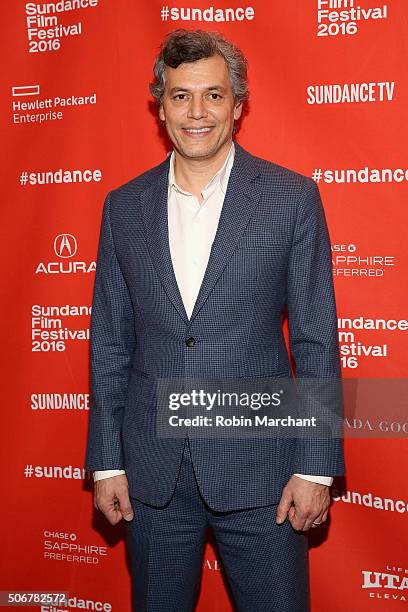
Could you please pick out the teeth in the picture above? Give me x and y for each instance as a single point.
(198, 131)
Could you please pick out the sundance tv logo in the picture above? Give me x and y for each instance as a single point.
(65, 248)
(391, 584)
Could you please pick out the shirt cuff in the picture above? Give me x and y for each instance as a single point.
(324, 480)
(100, 474)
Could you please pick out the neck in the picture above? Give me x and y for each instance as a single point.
(194, 174)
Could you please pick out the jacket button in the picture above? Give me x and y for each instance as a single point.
(190, 342)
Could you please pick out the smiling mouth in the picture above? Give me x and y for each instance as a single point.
(197, 131)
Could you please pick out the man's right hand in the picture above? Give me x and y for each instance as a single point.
(111, 497)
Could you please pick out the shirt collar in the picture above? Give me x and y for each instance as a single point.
(221, 176)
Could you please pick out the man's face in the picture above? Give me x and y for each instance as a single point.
(198, 107)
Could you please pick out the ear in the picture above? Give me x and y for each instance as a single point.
(237, 110)
(162, 116)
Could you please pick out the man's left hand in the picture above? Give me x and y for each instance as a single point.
(304, 503)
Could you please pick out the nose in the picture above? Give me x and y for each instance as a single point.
(197, 108)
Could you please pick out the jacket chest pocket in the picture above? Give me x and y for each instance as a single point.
(263, 239)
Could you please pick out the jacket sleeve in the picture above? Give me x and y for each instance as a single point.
(313, 336)
(112, 342)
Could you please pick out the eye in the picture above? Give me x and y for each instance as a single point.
(215, 96)
(180, 96)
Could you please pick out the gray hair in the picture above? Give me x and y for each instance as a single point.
(182, 46)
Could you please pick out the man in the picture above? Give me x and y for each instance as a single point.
(198, 257)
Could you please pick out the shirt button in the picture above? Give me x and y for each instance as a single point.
(190, 342)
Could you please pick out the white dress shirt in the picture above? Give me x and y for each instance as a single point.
(192, 229)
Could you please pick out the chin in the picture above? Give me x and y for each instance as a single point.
(196, 152)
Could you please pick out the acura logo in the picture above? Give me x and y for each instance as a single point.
(65, 245)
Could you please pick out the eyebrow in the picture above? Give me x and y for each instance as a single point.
(210, 88)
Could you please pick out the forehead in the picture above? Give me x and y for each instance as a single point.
(202, 74)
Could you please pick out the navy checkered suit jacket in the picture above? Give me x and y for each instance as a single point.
(271, 251)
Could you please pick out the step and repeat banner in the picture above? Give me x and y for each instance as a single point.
(329, 93)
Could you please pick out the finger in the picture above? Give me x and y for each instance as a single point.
(316, 518)
(320, 519)
(125, 506)
(308, 524)
(110, 512)
(284, 506)
(109, 507)
(298, 523)
(297, 518)
(113, 516)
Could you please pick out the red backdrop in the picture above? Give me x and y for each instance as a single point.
(75, 98)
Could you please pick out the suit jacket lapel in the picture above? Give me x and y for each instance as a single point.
(154, 204)
(239, 204)
(240, 201)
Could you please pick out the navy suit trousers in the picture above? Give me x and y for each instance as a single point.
(265, 565)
